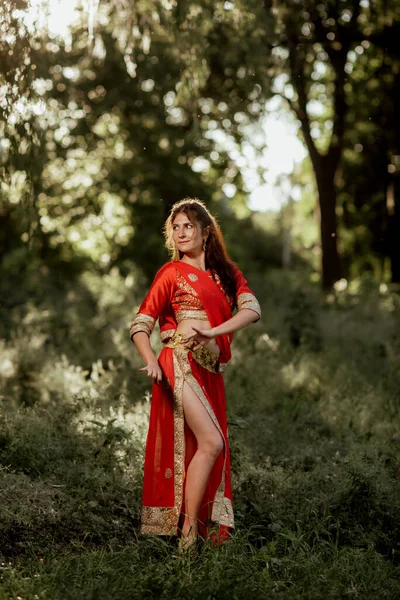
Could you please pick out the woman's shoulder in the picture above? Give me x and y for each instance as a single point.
(167, 270)
(240, 279)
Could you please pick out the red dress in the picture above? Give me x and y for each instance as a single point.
(180, 291)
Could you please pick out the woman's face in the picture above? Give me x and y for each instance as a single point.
(187, 236)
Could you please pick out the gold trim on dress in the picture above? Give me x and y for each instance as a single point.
(142, 322)
(247, 300)
(164, 520)
(184, 288)
(167, 334)
(203, 356)
(199, 315)
(220, 512)
(159, 520)
(207, 359)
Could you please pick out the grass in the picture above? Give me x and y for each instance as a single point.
(313, 396)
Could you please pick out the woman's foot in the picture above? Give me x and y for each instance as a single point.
(188, 542)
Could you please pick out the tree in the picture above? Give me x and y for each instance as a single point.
(316, 39)
(17, 93)
(315, 45)
(123, 129)
(367, 181)
(387, 41)
(134, 100)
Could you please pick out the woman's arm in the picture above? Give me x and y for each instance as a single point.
(242, 318)
(152, 368)
(248, 312)
(150, 309)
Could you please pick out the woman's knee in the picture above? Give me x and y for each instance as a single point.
(211, 445)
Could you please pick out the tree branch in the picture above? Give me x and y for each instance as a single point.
(346, 35)
(299, 83)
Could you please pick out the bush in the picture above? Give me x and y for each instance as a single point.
(313, 410)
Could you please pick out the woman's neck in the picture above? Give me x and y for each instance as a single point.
(199, 261)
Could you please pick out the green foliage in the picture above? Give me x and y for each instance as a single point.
(107, 142)
(314, 444)
(16, 73)
(302, 322)
(112, 137)
(66, 483)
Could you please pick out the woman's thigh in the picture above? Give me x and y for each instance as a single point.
(198, 419)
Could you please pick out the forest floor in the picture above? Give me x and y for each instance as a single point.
(314, 396)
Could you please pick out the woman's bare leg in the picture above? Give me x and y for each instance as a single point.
(209, 445)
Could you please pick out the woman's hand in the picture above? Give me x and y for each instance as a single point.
(153, 370)
(199, 338)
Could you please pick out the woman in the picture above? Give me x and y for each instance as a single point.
(187, 485)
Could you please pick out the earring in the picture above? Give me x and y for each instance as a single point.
(204, 245)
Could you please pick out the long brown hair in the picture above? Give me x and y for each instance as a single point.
(217, 257)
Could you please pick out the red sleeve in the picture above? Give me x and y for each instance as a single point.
(155, 302)
(244, 296)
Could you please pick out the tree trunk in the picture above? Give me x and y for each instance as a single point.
(393, 243)
(331, 268)
(325, 167)
(394, 219)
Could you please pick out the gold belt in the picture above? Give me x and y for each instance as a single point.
(204, 356)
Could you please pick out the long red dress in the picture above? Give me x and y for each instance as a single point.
(180, 291)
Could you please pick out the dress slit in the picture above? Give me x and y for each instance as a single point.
(187, 427)
(180, 367)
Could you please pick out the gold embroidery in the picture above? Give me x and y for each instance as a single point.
(181, 355)
(247, 300)
(192, 277)
(164, 520)
(204, 356)
(165, 335)
(177, 340)
(142, 322)
(222, 508)
(168, 473)
(183, 285)
(185, 296)
(199, 315)
(207, 359)
(179, 437)
(159, 520)
(222, 511)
